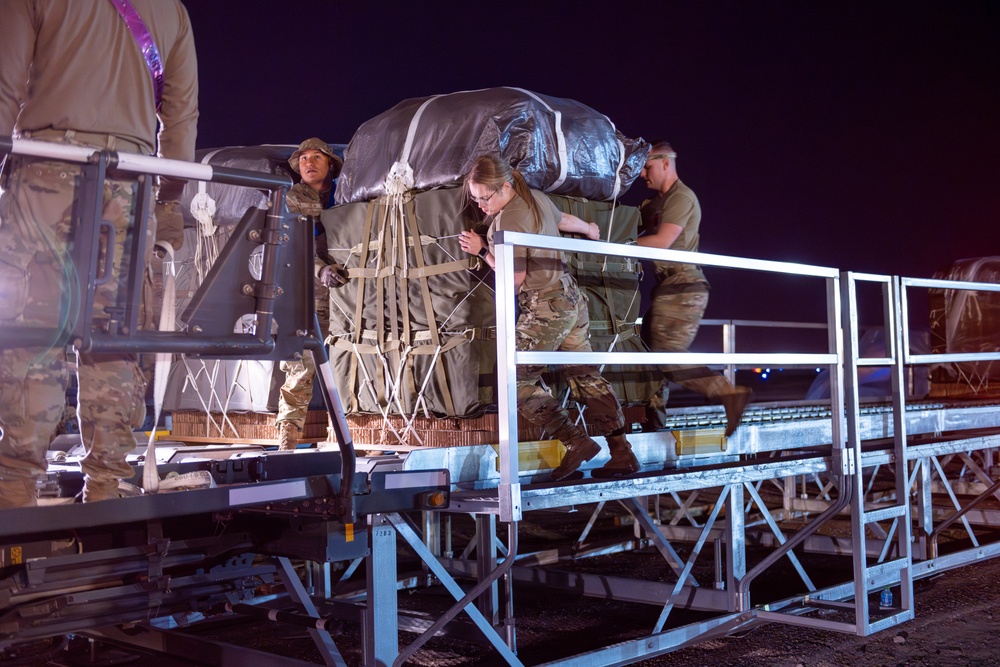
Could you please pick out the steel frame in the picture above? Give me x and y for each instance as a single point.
(841, 457)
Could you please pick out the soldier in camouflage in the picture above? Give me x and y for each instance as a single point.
(553, 316)
(73, 74)
(670, 220)
(318, 166)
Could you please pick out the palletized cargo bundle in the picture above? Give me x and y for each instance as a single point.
(413, 331)
(408, 328)
(966, 321)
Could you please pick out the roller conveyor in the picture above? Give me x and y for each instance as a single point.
(774, 441)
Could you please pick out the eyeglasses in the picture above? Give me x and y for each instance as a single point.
(483, 200)
(662, 156)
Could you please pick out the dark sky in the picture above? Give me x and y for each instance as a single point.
(856, 135)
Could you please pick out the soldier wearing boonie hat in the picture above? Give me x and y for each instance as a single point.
(316, 144)
(317, 165)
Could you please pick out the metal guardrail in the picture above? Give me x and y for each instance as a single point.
(508, 357)
(894, 311)
(126, 338)
(277, 236)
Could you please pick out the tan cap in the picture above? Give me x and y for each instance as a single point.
(315, 144)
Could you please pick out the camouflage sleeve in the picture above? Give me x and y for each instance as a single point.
(303, 201)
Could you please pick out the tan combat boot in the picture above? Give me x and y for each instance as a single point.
(717, 388)
(288, 436)
(578, 452)
(623, 462)
(17, 493)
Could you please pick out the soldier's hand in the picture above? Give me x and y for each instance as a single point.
(169, 223)
(332, 275)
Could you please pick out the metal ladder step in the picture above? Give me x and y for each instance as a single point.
(883, 513)
(876, 575)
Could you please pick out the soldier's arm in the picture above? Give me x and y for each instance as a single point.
(664, 237)
(17, 44)
(571, 224)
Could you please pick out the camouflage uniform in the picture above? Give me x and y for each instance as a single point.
(558, 320)
(679, 300)
(73, 73)
(554, 316)
(33, 381)
(303, 200)
(296, 392)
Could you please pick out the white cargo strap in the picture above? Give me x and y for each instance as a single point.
(203, 210)
(560, 140)
(400, 176)
(399, 179)
(168, 315)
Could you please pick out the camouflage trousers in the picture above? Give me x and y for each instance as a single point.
(558, 320)
(297, 390)
(38, 282)
(674, 317)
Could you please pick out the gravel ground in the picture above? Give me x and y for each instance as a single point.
(957, 616)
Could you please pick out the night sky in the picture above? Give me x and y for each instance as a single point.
(856, 135)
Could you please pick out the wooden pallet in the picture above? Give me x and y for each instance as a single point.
(367, 431)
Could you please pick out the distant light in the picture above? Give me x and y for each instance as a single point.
(818, 370)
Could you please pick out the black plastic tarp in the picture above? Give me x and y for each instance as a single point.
(559, 145)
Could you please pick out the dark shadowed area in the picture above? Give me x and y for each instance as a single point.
(856, 135)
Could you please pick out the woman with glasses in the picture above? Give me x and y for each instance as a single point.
(553, 316)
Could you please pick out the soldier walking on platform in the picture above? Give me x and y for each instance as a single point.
(553, 317)
(670, 220)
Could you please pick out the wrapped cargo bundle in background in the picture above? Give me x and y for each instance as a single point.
(210, 398)
(211, 205)
(966, 321)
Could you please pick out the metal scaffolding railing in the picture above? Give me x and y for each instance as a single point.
(508, 357)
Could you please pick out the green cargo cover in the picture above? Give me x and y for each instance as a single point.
(390, 357)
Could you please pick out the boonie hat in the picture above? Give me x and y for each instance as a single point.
(316, 144)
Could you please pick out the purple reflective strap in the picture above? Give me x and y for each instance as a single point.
(146, 44)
